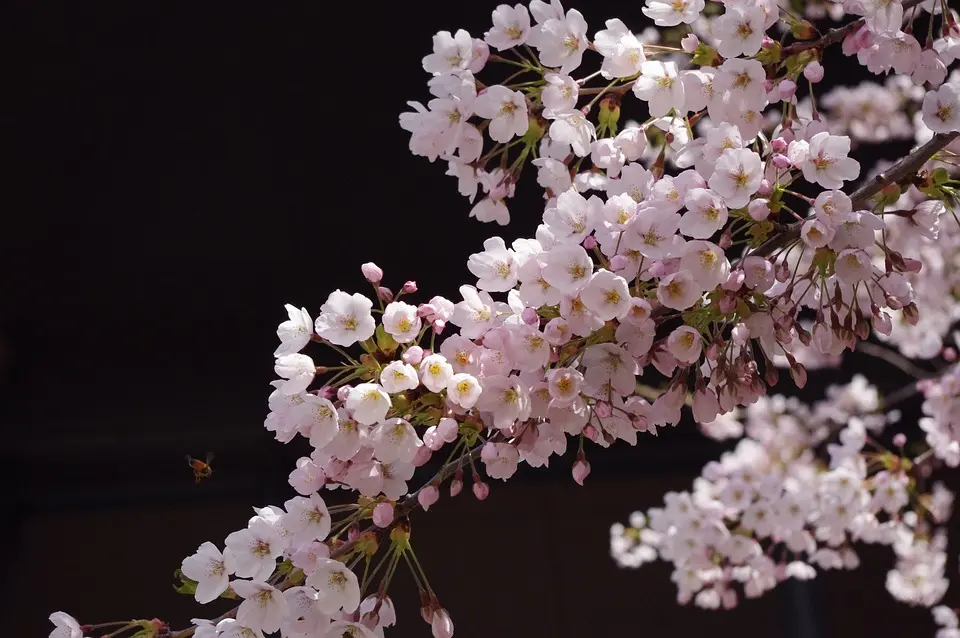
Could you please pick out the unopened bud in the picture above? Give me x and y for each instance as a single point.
(372, 272)
(428, 496)
(481, 490)
(385, 293)
(581, 469)
(383, 515)
(410, 286)
(758, 209)
(813, 71)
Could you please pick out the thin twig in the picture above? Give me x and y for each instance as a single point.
(893, 358)
(835, 35)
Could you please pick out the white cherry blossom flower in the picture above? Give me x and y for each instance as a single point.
(264, 607)
(567, 268)
(559, 95)
(345, 319)
(740, 31)
(435, 372)
(464, 390)
(210, 569)
(401, 321)
(398, 376)
(737, 176)
(511, 27)
(670, 13)
(495, 267)
(337, 587)
(607, 295)
(395, 440)
(660, 86)
(254, 551)
(679, 290)
(295, 332)
(706, 213)
(451, 53)
(941, 109)
(368, 403)
(298, 370)
(574, 128)
(506, 110)
(562, 41)
(307, 518)
(824, 160)
(621, 50)
(475, 314)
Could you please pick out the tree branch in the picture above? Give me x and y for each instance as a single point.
(404, 507)
(835, 35)
(908, 165)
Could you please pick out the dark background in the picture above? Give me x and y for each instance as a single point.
(178, 172)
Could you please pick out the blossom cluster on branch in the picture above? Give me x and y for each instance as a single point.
(703, 251)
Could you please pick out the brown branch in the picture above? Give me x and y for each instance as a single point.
(906, 167)
(404, 507)
(835, 35)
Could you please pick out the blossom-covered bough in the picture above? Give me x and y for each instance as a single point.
(682, 261)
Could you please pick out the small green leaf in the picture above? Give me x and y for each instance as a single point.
(385, 341)
(186, 585)
(705, 55)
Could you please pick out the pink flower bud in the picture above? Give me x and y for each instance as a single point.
(432, 438)
(385, 294)
(727, 304)
(410, 286)
(413, 355)
(456, 486)
(949, 354)
(765, 188)
(343, 392)
(590, 242)
(813, 71)
(740, 333)
(481, 490)
(758, 209)
(734, 281)
(726, 239)
(353, 533)
(530, 316)
(448, 429)
(581, 470)
(372, 272)
(899, 439)
(441, 625)
(428, 496)
(603, 409)
(912, 265)
(781, 161)
(426, 310)
(689, 43)
(383, 514)
(438, 325)
(422, 457)
(591, 433)
(787, 89)
(619, 262)
(779, 145)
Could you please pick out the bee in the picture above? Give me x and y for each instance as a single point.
(201, 469)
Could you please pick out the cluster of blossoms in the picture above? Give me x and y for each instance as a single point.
(797, 492)
(704, 249)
